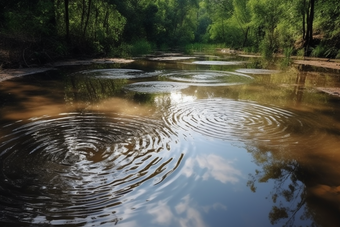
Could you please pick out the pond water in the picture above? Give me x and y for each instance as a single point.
(198, 141)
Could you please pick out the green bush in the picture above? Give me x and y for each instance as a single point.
(318, 51)
(266, 50)
(203, 47)
(140, 47)
(287, 52)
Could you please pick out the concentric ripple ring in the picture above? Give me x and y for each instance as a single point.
(206, 78)
(233, 120)
(75, 168)
(119, 73)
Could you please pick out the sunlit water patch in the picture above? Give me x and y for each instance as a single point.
(243, 121)
(119, 73)
(257, 71)
(76, 168)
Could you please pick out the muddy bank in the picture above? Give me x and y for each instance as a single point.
(324, 63)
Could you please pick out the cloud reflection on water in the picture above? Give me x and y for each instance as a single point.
(185, 214)
(215, 167)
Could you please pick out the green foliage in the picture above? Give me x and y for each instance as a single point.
(55, 28)
(331, 52)
(123, 50)
(137, 48)
(287, 53)
(140, 47)
(177, 22)
(300, 53)
(266, 49)
(318, 51)
(203, 47)
(31, 19)
(94, 26)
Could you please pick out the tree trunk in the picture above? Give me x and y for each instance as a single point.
(95, 24)
(311, 20)
(304, 20)
(245, 37)
(87, 17)
(82, 16)
(67, 21)
(309, 31)
(106, 21)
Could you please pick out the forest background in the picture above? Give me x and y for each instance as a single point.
(34, 32)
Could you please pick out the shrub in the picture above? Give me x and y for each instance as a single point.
(140, 47)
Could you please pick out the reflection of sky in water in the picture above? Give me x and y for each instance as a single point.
(211, 185)
(212, 190)
(178, 97)
(209, 189)
(215, 167)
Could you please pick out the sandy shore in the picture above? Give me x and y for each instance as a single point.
(324, 63)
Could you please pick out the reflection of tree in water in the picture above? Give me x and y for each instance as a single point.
(91, 89)
(299, 87)
(290, 195)
(285, 173)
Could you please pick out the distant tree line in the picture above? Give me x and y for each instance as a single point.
(34, 31)
(306, 27)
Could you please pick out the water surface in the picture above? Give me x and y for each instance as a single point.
(198, 142)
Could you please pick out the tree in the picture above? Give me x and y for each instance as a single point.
(266, 17)
(220, 12)
(243, 18)
(67, 20)
(178, 21)
(308, 36)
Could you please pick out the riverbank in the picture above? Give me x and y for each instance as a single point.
(6, 74)
(320, 62)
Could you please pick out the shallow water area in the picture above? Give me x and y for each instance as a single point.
(162, 143)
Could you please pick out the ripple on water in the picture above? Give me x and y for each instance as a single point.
(218, 62)
(156, 86)
(243, 121)
(184, 79)
(74, 168)
(257, 71)
(119, 73)
(203, 77)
